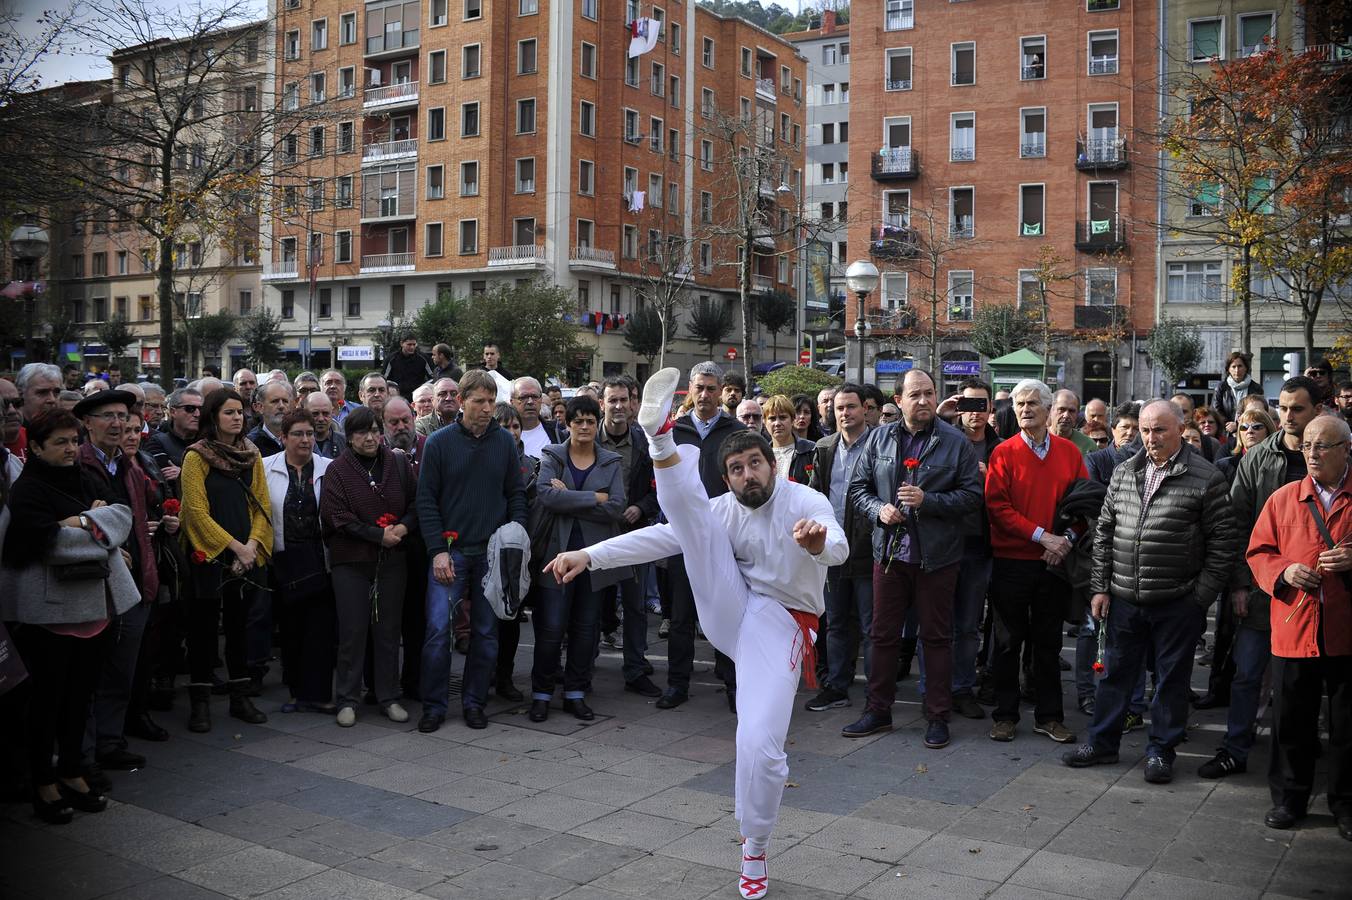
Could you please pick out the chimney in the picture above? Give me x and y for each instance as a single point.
(828, 21)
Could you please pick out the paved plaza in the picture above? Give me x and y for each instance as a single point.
(638, 803)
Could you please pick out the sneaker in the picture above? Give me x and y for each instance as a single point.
(1087, 706)
(829, 698)
(617, 641)
(754, 880)
(347, 717)
(867, 724)
(1133, 722)
(966, 706)
(1084, 756)
(1157, 771)
(608, 640)
(664, 629)
(1057, 731)
(654, 413)
(1002, 731)
(654, 606)
(936, 735)
(396, 713)
(1220, 765)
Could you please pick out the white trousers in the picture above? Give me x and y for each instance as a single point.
(757, 632)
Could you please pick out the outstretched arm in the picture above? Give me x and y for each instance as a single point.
(634, 548)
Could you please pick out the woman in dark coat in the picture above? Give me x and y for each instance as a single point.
(1237, 385)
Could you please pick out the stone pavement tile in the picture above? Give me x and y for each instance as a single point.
(1317, 858)
(90, 874)
(704, 748)
(476, 794)
(326, 856)
(118, 827)
(716, 781)
(1061, 802)
(1240, 797)
(686, 805)
(718, 845)
(506, 738)
(330, 732)
(27, 847)
(338, 799)
(1009, 891)
(420, 856)
(968, 856)
(342, 762)
(488, 837)
(896, 809)
(829, 790)
(351, 839)
(263, 820)
(823, 870)
(336, 884)
(533, 773)
(666, 877)
(1154, 885)
(868, 839)
(636, 737)
(610, 788)
(1247, 856)
(405, 778)
(1088, 838)
(250, 872)
(916, 883)
(179, 848)
(409, 817)
(460, 759)
(1019, 829)
(285, 748)
(575, 858)
(165, 888)
(793, 825)
(1132, 803)
(586, 755)
(498, 881)
(591, 892)
(1062, 874)
(969, 791)
(553, 811)
(389, 874)
(661, 769)
(628, 828)
(404, 746)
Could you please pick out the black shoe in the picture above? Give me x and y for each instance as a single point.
(1220, 765)
(430, 722)
(829, 698)
(1087, 706)
(579, 709)
(648, 669)
(1064, 663)
(144, 727)
(1344, 827)
(672, 698)
(868, 723)
(936, 735)
(475, 718)
(1211, 701)
(1282, 817)
(97, 779)
(199, 712)
(732, 700)
(966, 706)
(643, 686)
(55, 812)
(1157, 771)
(539, 710)
(241, 707)
(90, 801)
(121, 760)
(462, 646)
(1084, 756)
(508, 691)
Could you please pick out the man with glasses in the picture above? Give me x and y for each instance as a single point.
(306, 383)
(445, 407)
(1343, 399)
(749, 414)
(374, 391)
(154, 406)
(334, 384)
(1301, 551)
(13, 437)
(329, 439)
(39, 385)
(536, 433)
(1321, 373)
(168, 445)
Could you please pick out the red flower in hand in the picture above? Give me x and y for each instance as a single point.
(1099, 668)
(386, 520)
(448, 535)
(171, 507)
(911, 463)
(199, 557)
(807, 468)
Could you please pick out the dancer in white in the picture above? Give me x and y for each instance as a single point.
(757, 558)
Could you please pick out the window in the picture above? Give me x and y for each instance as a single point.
(962, 137)
(706, 155)
(436, 124)
(98, 265)
(589, 9)
(675, 38)
(1206, 200)
(347, 82)
(319, 34)
(342, 195)
(1101, 5)
(631, 126)
(1033, 58)
(960, 296)
(673, 145)
(629, 242)
(145, 307)
(525, 116)
(469, 179)
(474, 9)
(1260, 196)
(1102, 287)
(587, 60)
(706, 257)
(828, 132)
(828, 211)
(1193, 282)
(354, 302)
(655, 190)
(525, 175)
(291, 96)
(707, 56)
(436, 182)
(347, 29)
(314, 194)
(470, 57)
(469, 237)
(291, 44)
(315, 253)
(469, 120)
(1257, 31)
(525, 57)
(675, 91)
(523, 232)
(630, 181)
(528, 7)
(706, 207)
(899, 15)
(746, 61)
(317, 140)
(673, 198)
(964, 63)
(655, 134)
(584, 232)
(1033, 133)
(586, 118)
(631, 71)
(342, 246)
(345, 137)
(1030, 210)
(962, 204)
(436, 67)
(657, 83)
(122, 262)
(586, 177)
(654, 247)
(1206, 39)
(828, 173)
(1103, 52)
(432, 239)
(706, 103)
(437, 13)
(898, 63)
(660, 17)
(896, 289)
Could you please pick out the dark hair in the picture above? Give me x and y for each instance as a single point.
(581, 405)
(870, 392)
(1324, 366)
(407, 336)
(732, 379)
(1209, 413)
(211, 407)
(814, 428)
(56, 419)
(975, 384)
(114, 367)
(1301, 383)
(1125, 411)
(1242, 357)
(618, 382)
(363, 418)
(1344, 385)
(505, 413)
(294, 418)
(740, 442)
(1006, 423)
(849, 387)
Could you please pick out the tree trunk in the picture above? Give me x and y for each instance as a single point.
(1308, 313)
(1046, 335)
(165, 278)
(1245, 299)
(934, 323)
(747, 245)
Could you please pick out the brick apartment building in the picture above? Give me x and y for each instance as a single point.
(466, 142)
(994, 128)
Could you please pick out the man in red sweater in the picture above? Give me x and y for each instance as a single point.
(1025, 480)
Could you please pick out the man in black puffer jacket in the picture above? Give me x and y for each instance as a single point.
(1164, 547)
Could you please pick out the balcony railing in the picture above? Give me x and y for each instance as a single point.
(765, 87)
(896, 164)
(899, 20)
(1033, 146)
(1103, 65)
(962, 154)
(517, 255)
(762, 238)
(898, 84)
(387, 262)
(762, 283)
(283, 270)
(962, 227)
(895, 239)
(1032, 71)
(1101, 5)
(1101, 316)
(388, 150)
(390, 94)
(1100, 153)
(1106, 235)
(593, 256)
(1333, 53)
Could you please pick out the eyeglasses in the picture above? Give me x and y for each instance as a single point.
(1314, 373)
(13, 402)
(111, 416)
(1253, 426)
(751, 417)
(190, 408)
(524, 398)
(1320, 448)
(1101, 441)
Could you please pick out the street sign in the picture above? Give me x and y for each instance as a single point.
(731, 354)
(893, 366)
(365, 353)
(804, 357)
(962, 368)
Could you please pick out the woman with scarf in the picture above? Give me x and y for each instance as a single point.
(1237, 385)
(227, 527)
(366, 511)
(64, 579)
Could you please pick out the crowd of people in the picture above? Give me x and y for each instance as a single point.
(154, 543)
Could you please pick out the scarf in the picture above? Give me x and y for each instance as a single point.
(1237, 386)
(42, 496)
(235, 460)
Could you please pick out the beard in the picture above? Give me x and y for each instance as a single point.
(402, 441)
(753, 495)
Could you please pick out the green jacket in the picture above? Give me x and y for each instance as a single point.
(1260, 472)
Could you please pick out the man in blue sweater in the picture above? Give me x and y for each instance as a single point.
(469, 485)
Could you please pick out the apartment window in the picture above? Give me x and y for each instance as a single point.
(631, 126)
(586, 118)
(1102, 287)
(474, 9)
(673, 145)
(964, 63)
(291, 96)
(1103, 144)
(706, 155)
(291, 44)
(1033, 133)
(436, 182)
(345, 137)
(342, 195)
(432, 239)
(347, 82)
(144, 305)
(470, 60)
(342, 246)
(962, 137)
(746, 61)
(630, 181)
(525, 175)
(1206, 39)
(1030, 290)
(828, 132)
(655, 190)
(828, 173)
(706, 257)
(354, 302)
(660, 17)
(673, 198)
(469, 179)
(896, 290)
(1193, 282)
(314, 194)
(525, 116)
(899, 15)
(629, 243)
(194, 253)
(589, 9)
(436, 124)
(288, 304)
(436, 67)
(528, 7)
(1103, 52)
(347, 29)
(675, 91)
(1257, 31)
(843, 169)
(898, 63)
(1101, 5)
(631, 71)
(523, 230)
(706, 103)
(1206, 200)
(586, 177)
(469, 237)
(317, 140)
(657, 83)
(675, 38)
(584, 233)
(1031, 201)
(1033, 58)
(319, 34)
(707, 55)
(314, 255)
(587, 60)
(655, 134)
(438, 13)
(98, 265)
(469, 120)
(122, 262)
(962, 205)
(654, 245)
(706, 207)
(960, 296)
(525, 57)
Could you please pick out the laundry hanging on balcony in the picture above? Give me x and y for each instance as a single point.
(643, 36)
(604, 322)
(636, 201)
(1032, 229)
(1099, 226)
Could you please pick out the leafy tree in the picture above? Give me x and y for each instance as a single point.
(435, 322)
(528, 324)
(645, 335)
(1175, 347)
(792, 380)
(776, 312)
(389, 333)
(1052, 279)
(261, 332)
(710, 323)
(209, 333)
(1000, 329)
(114, 334)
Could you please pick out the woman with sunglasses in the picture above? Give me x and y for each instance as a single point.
(1255, 426)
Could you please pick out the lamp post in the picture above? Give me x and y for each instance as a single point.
(28, 243)
(862, 278)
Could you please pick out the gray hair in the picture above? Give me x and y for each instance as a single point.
(525, 381)
(36, 370)
(366, 379)
(68, 396)
(1067, 393)
(306, 376)
(134, 389)
(708, 367)
(284, 384)
(338, 372)
(176, 398)
(1033, 386)
(209, 385)
(151, 389)
(1173, 407)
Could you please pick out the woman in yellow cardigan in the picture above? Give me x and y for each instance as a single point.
(228, 537)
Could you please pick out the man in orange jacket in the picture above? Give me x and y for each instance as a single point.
(1301, 553)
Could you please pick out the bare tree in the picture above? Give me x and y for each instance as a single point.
(665, 275)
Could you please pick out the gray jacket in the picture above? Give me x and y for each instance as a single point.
(1260, 472)
(948, 475)
(1183, 546)
(34, 596)
(577, 504)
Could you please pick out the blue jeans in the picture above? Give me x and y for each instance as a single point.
(1250, 652)
(442, 601)
(1086, 651)
(1172, 629)
(969, 602)
(576, 609)
(635, 626)
(849, 617)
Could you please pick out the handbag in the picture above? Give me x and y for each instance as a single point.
(540, 526)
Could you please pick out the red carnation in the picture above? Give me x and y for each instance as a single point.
(386, 520)
(199, 557)
(455, 535)
(807, 468)
(171, 507)
(1099, 668)
(911, 463)
(448, 535)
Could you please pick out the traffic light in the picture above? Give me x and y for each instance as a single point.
(1291, 366)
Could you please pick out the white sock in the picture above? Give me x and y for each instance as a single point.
(754, 848)
(661, 446)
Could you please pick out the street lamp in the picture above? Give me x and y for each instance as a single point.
(862, 278)
(28, 243)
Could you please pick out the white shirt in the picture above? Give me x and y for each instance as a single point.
(771, 562)
(535, 440)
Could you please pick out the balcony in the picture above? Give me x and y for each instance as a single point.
(762, 284)
(389, 151)
(388, 209)
(1101, 236)
(962, 154)
(387, 262)
(1101, 154)
(1103, 65)
(392, 43)
(898, 84)
(404, 93)
(1032, 72)
(899, 20)
(896, 164)
(592, 258)
(1331, 53)
(762, 239)
(517, 255)
(893, 315)
(895, 240)
(284, 270)
(1108, 316)
(1033, 146)
(765, 89)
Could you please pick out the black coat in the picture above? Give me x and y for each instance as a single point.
(858, 529)
(639, 487)
(408, 372)
(1224, 401)
(710, 472)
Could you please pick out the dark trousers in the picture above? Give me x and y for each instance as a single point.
(205, 614)
(309, 625)
(629, 595)
(1171, 630)
(1222, 653)
(258, 631)
(1029, 603)
(573, 608)
(106, 726)
(1249, 654)
(848, 623)
(352, 584)
(157, 631)
(1298, 686)
(414, 623)
(63, 672)
(681, 640)
(896, 590)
